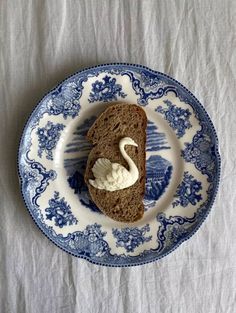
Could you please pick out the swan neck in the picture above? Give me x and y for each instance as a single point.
(132, 167)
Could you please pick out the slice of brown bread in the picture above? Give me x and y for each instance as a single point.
(116, 122)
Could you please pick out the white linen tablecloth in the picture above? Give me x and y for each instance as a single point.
(42, 42)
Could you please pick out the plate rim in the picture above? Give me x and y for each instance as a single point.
(217, 152)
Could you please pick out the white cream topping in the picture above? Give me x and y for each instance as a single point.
(113, 176)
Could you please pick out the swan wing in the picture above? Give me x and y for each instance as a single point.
(109, 176)
(101, 168)
(118, 175)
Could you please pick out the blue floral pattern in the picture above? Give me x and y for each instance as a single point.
(177, 117)
(89, 242)
(60, 211)
(131, 238)
(201, 152)
(48, 137)
(65, 100)
(188, 191)
(105, 91)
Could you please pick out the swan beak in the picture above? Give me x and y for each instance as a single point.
(135, 144)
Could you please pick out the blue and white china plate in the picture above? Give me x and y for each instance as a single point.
(183, 165)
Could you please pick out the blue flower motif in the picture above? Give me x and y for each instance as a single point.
(187, 191)
(48, 137)
(131, 238)
(60, 211)
(177, 117)
(106, 91)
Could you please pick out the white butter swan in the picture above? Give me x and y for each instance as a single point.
(113, 176)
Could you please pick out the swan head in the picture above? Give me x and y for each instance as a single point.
(127, 141)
